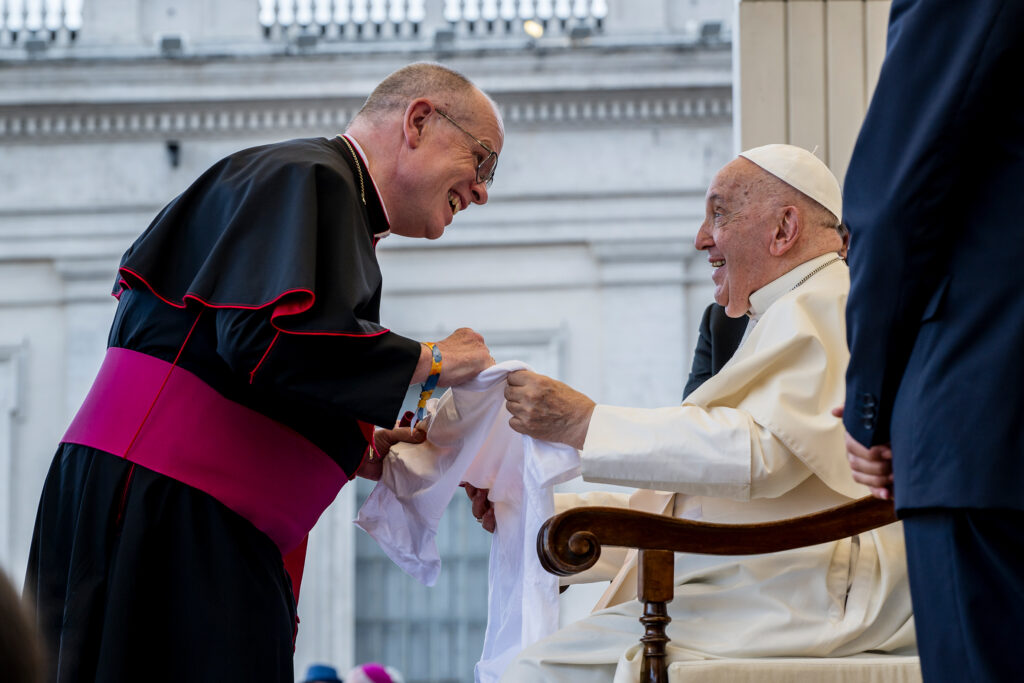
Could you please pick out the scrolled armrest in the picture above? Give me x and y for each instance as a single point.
(570, 542)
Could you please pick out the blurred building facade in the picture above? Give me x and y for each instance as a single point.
(617, 115)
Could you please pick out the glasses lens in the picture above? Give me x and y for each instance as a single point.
(485, 171)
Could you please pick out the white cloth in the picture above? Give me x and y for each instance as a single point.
(754, 443)
(468, 439)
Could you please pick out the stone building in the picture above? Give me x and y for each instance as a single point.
(617, 114)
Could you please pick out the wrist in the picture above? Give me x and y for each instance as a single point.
(577, 435)
(428, 386)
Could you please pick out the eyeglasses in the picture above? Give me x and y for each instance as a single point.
(485, 169)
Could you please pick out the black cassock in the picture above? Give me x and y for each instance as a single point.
(261, 280)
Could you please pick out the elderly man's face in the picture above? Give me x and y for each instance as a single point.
(440, 179)
(736, 233)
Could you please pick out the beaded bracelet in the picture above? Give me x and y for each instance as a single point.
(427, 388)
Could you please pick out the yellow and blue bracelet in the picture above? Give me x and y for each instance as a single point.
(427, 388)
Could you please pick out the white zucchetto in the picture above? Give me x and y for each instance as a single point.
(802, 170)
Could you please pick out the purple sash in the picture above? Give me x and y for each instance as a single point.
(166, 419)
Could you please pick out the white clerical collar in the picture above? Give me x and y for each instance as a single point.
(773, 291)
(362, 155)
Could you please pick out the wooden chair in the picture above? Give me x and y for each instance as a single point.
(570, 542)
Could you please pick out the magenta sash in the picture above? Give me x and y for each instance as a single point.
(166, 419)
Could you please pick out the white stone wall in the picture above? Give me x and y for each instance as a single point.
(805, 72)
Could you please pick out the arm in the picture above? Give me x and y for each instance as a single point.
(688, 449)
(364, 377)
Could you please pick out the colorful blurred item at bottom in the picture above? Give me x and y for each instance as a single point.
(373, 673)
(321, 673)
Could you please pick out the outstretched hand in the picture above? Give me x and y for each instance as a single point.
(547, 409)
(871, 466)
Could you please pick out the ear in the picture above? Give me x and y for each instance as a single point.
(415, 120)
(786, 231)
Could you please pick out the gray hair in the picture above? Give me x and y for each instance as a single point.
(422, 79)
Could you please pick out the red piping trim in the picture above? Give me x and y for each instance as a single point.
(124, 496)
(264, 356)
(292, 308)
(162, 385)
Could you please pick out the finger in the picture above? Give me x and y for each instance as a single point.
(479, 504)
(489, 522)
(518, 378)
(882, 493)
(837, 411)
(407, 435)
(876, 454)
(869, 466)
(871, 481)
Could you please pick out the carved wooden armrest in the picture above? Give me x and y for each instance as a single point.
(570, 542)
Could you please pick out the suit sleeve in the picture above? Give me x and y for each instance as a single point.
(700, 368)
(945, 67)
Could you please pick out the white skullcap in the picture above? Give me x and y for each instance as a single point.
(802, 170)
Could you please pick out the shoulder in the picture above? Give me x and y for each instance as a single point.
(814, 310)
(291, 167)
(300, 152)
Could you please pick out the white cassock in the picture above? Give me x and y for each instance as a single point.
(754, 443)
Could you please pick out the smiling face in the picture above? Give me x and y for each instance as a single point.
(436, 175)
(737, 234)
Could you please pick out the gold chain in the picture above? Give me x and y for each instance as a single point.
(359, 170)
(807, 277)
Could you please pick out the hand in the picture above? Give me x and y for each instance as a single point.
(464, 355)
(483, 509)
(547, 409)
(383, 440)
(871, 466)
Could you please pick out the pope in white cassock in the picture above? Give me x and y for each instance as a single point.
(755, 443)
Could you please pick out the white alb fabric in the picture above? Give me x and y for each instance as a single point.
(468, 439)
(798, 168)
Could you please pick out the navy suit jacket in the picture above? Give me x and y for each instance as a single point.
(934, 197)
(718, 338)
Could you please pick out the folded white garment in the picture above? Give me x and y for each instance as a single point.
(468, 439)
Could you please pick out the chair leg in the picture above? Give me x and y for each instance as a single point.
(656, 587)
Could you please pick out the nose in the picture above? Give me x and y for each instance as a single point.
(703, 240)
(479, 192)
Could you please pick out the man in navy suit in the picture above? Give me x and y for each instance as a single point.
(934, 198)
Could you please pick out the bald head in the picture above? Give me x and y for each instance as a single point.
(446, 87)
